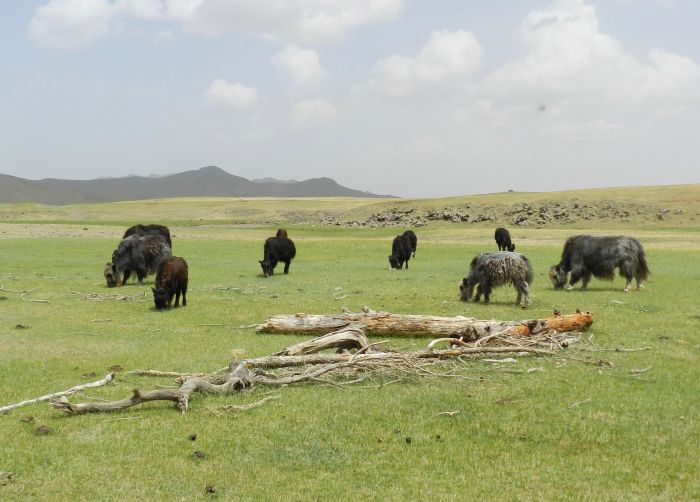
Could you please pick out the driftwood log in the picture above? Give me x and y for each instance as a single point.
(388, 324)
(466, 338)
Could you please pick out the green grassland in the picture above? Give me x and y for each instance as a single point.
(516, 436)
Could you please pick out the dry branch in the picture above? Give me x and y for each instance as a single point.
(236, 379)
(347, 338)
(56, 395)
(246, 407)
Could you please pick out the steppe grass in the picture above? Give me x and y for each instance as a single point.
(567, 430)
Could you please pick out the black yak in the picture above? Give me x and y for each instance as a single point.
(138, 253)
(502, 237)
(152, 229)
(277, 249)
(400, 252)
(585, 256)
(490, 270)
(171, 280)
(413, 240)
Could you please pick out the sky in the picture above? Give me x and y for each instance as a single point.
(415, 98)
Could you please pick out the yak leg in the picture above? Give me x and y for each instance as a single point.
(127, 274)
(184, 295)
(286, 266)
(586, 279)
(407, 263)
(576, 274)
(487, 294)
(177, 297)
(525, 290)
(627, 271)
(479, 292)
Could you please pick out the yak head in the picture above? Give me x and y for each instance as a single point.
(394, 262)
(161, 298)
(466, 290)
(511, 248)
(557, 276)
(267, 268)
(111, 275)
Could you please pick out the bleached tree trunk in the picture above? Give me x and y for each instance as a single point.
(388, 324)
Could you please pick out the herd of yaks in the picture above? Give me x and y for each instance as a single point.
(147, 249)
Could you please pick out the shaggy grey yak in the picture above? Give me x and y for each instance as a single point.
(585, 256)
(140, 254)
(490, 270)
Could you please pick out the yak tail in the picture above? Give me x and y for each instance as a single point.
(642, 267)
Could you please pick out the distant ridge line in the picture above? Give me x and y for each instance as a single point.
(210, 181)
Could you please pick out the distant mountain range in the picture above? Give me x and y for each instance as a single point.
(208, 181)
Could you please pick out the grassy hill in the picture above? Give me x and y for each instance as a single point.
(632, 207)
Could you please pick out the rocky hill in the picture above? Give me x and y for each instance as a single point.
(524, 214)
(205, 182)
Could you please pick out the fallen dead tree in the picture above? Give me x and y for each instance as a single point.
(304, 362)
(388, 324)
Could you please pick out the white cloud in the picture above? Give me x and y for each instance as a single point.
(69, 24)
(236, 95)
(448, 57)
(300, 66)
(572, 67)
(308, 113)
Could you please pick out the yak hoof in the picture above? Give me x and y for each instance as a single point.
(569, 287)
(626, 290)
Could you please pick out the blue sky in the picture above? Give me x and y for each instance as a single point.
(414, 98)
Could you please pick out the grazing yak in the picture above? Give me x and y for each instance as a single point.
(413, 240)
(489, 270)
(140, 254)
(502, 237)
(585, 256)
(400, 252)
(277, 249)
(143, 230)
(171, 280)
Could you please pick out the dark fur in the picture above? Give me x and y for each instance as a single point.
(152, 229)
(400, 252)
(140, 254)
(502, 237)
(277, 249)
(171, 280)
(585, 256)
(413, 240)
(281, 232)
(489, 270)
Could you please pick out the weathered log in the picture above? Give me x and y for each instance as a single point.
(388, 324)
